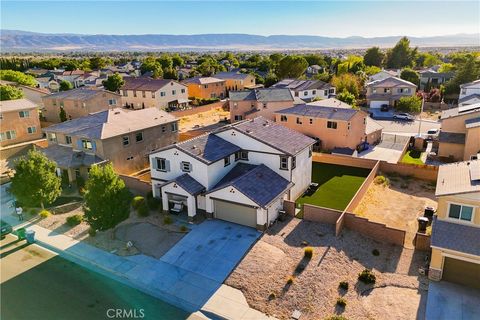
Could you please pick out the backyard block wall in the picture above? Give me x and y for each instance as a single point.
(363, 189)
(423, 172)
(422, 242)
(136, 185)
(344, 160)
(195, 110)
(320, 214)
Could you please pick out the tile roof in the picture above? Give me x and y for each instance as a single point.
(259, 183)
(460, 111)
(372, 126)
(332, 113)
(275, 135)
(65, 157)
(208, 147)
(231, 75)
(262, 95)
(202, 80)
(451, 137)
(390, 82)
(188, 183)
(16, 105)
(300, 85)
(455, 236)
(469, 97)
(470, 84)
(111, 123)
(79, 94)
(330, 102)
(458, 177)
(144, 83)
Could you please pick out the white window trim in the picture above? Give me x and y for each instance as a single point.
(459, 220)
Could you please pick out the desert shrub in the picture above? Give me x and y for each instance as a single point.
(404, 185)
(92, 232)
(45, 213)
(137, 202)
(74, 220)
(336, 317)
(367, 276)
(183, 229)
(290, 280)
(272, 296)
(143, 210)
(343, 285)
(375, 252)
(308, 252)
(381, 180)
(167, 220)
(341, 302)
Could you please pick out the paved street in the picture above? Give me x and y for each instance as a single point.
(407, 127)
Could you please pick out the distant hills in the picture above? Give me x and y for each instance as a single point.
(14, 40)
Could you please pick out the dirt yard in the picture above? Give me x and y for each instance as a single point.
(431, 115)
(399, 204)
(203, 119)
(399, 291)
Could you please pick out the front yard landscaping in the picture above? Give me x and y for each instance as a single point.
(278, 276)
(337, 185)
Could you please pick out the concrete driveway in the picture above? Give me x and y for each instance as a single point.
(448, 301)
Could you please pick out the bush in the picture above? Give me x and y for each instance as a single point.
(367, 276)
(45, 213)
(343, 285)
(143, 210)
(290, 280)
(272, 296)
(308, 252)
(92, 232)
(154, 203)
(381, 180)
(74, 220)
(341, 302)
(336, 317)
(409, 104)
(167, 220)
(375, 252)
(137, 202)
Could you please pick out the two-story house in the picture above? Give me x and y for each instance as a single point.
(388, 91)
(459, 137)
(141, 93)
(384, 74)
(334, 124)
(240, 173)
(469, 93)
(78, 103)
(206, 87)
(19, 122)
(433, 79)
(124, 138)
(455, 238)
(263, 102)
(307, 90)
(236, 81)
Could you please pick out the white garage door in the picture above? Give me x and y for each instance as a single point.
(377, 104)
(236, 213)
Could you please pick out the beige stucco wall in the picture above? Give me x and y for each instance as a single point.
(388, 96)
(207, 91)
(266, 109)
(457, 124)
(12, 121)
(438, 256)
(451, 150)
(472, 143)
(237, 84)
(145, 99)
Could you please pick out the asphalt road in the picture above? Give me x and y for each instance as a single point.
(407, 127)
(37, 284)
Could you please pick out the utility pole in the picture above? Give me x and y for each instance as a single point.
(421, 110)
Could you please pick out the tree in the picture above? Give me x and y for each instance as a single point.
(107, 199)
(150, 64)
(170, 73)
(315, 59)
(165, 61)
(270, 79)
(209, 66)
(18, 77)
(347, 97)
(401, 55)
(347, 82)
(292, 66)
(373, 57)
(113, 82)
(65, 85)
(410, 75)
(371, 70)
(177, 61)
(10, 93)
(35, 181)
(98, 63)
(409, 104)
(62, 115)
(466, 72)
(446, 67)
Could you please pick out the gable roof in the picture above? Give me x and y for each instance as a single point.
(16, 105)
(202, 80)
(207, 148)
(460, 111)
(300, 85)
(259, 183)
(231, 75)
(110, 123)
(469, 97)
(458, 177)
(188, 184)
(262, 95)
(314, 111)
(144, 83)
(390, 82)
(82, 94)
(455, 236)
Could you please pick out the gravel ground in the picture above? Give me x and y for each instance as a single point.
(314, 291)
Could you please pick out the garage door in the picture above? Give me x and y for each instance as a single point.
(461, 272)
(377, 104)
(236, 213)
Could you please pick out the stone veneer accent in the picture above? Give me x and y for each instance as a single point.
(435, 274)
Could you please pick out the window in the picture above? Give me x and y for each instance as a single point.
(87, 144)
(139, 137)
(226, 161)
(348, 126)
(386, 90)
(162, 93)
(264, 105)
(299, 121)
(1, 116)
(314, 92)
(296, 93)
(8, 135)
(112, 102)
(31, 130)
(125, 140)
(134, 93)
(325, 92)
(331, 90)
(161, 164)
(283, 163)
(374, 90)
(283, 118)
(331, 125)
(164, 129)
(153, 95)
(241, 155)
(186, 166)
(294, 162)
(144, 94)
(183, 90)
(125, 93)
(130, 158)
(174, 92)
(24, 114)
(311, 121)
(68, 140)
(52, 137)
(174, 127)
(205, 86)
(305, 93)
(460, 212)
(238, 118)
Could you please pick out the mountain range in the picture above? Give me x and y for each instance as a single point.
(15, 40)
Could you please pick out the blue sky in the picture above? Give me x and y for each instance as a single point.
(327, 18)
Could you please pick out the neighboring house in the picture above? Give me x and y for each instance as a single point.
(469, 93)
(34, 94)
(459, 137)
(373, 131)
(332, 123)
(307, 90)
(78, 103)
(140, 93)
(455, 238)
(433, 79)
(241, 173)
(47, 83)
(19, 122)
(314, 69)
(384, 74)
(75, 77)
(205, 87)
(236, 81)
(263, 102)
(388, 91)
(124, 138)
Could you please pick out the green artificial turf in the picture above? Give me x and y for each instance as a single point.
(412, 157)
(337, 185)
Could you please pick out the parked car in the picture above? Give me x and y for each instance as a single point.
(384, 108)
(5, 228)
(433, 133)
(403, 116)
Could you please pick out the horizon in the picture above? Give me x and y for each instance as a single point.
(315, 18)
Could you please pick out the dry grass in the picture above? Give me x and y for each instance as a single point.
(202, 119)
